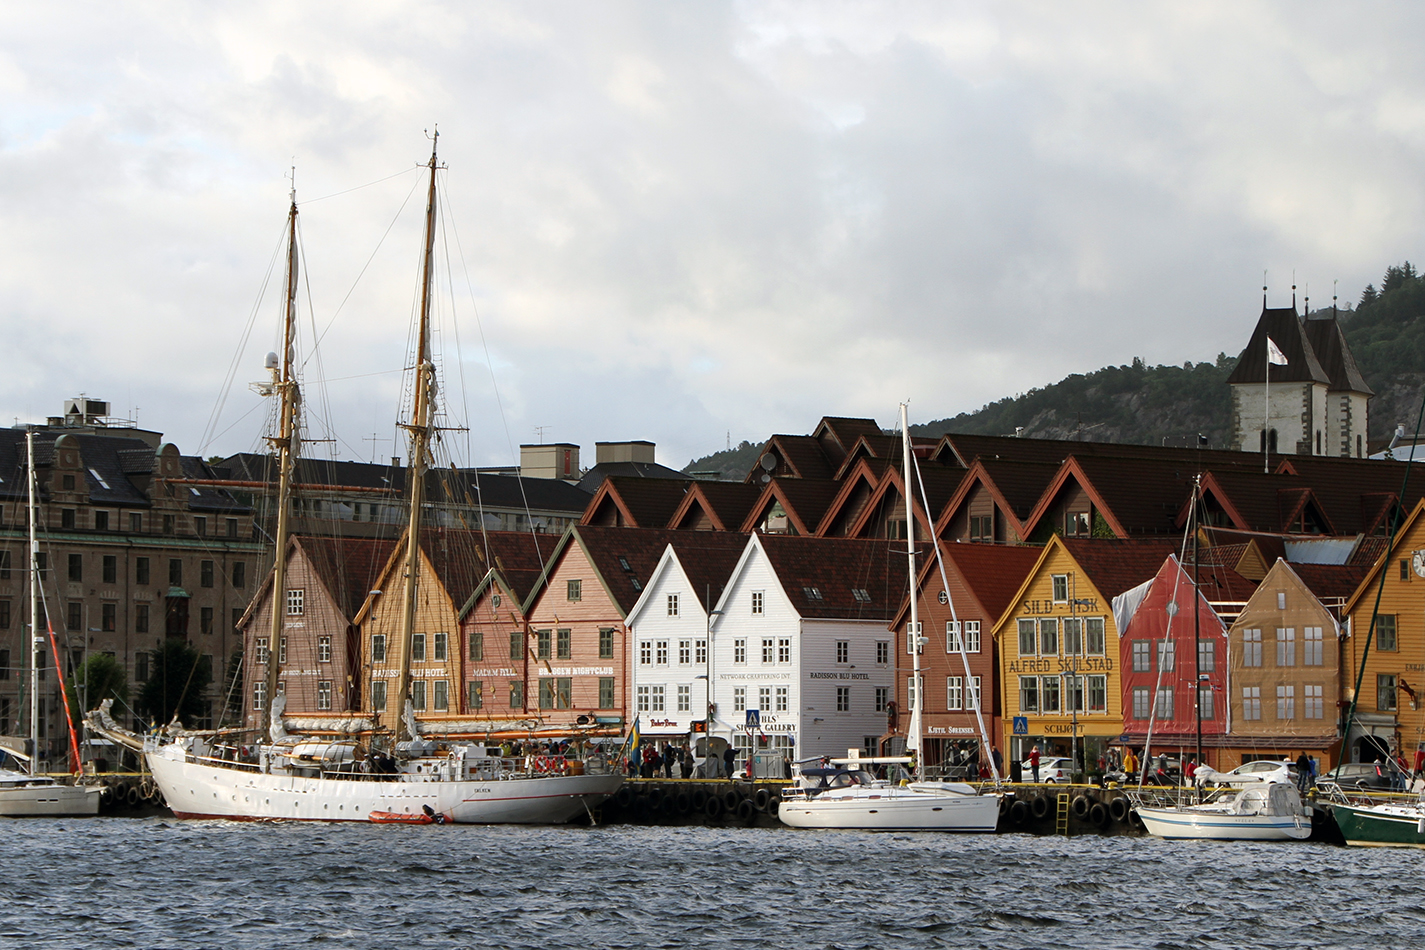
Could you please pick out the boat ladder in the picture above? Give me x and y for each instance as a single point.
(1061, 818)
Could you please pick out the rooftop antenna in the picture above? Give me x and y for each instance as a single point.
(1293, 288)
(539, 433)
(1333, 297)
(1264, 290)
(1306, 306)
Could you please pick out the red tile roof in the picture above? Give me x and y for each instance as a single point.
(822, 576)
(1115, 565)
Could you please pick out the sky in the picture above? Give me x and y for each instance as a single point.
(685, 223)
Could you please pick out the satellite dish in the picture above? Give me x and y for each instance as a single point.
(766, 479)
(768, 461)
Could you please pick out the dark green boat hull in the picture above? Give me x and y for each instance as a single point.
(1371, 828)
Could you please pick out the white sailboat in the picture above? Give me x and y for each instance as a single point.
(851, 797)
(25, 794)
(293, 778)
(1263, 806)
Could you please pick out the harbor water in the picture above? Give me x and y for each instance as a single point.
(113, 882)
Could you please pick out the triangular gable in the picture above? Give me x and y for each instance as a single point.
(776, 493)
(856, 491)
(716, 506)
(1372, 579)
(1212, 488)
(1055, 543)
(890, 491)
(608, 508)
(1071, 472)
(792, 456)
(838, 434)
(395, 564)
(978, 476)
(1299, 506)
(696, 514)
(667, 562)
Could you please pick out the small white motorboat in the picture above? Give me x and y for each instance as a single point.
(1263, 807)
(847, 796)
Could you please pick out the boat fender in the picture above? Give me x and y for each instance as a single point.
(1081, 806)
(683, 802)
(623, 797)
(1135, 819)
(1004, 804)
(761, 798)
(106, 795)
(774, 805)
(1420, 827)
(655, 799)
(1019, 812)
(669, 803)
(1098, 814)
(713, 808)
(746, 811)
(132, 796)
(1040, 806)
(700, 798)
(1118, 809)
(730, 798)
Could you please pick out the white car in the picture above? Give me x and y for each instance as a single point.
(1051, 770)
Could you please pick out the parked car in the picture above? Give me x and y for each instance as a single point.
(1363, 775)
(1051, 770)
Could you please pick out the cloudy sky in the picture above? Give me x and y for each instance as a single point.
(679, 222)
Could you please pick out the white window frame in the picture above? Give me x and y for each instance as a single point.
(324, 650)
(296, 601)
(324, 694)
(759, 603)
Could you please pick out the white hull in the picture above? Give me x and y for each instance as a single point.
(46, 800)
(893, 808)
(205, 790)
(1215, 826)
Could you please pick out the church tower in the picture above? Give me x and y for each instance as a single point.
(1314, 404)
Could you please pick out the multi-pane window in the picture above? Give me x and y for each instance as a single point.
(739, 698)
(378, 648)
(205, 573)
(296, 600)
(764, 698)
(685, 652)
(109, 614)
(883, 698)
(1049, 694)
(1286, 703)
(1074, 688)
(685, 698)
(1206, 656)
(913, 638)
(1165, 704)
(700, 652)
(1049, 636)
(1312, 701)
(516, 646)
(442, 695)
(1073, 636)
(1286, 646)
(1093, 636)
(1251, 703)
(1167, 655)
(442, 643)
(542, 640)
(1098, 693)
(606, 643)
(240, 575)
(954, 692)
(1311, 647)
(1140, 702)
(1385, 692)
(606, 692)
(475, 694)
(843, 699)
(767, 653)
(645, 652)
(784, 650)
(1028, 637)
(259, 695)
(76, 616)
(843, 651)
(1385, 633)
(660, 652)
(324, 649)
(1060, 583)
(739, 651)
(574, 589)
(378, 695)
(111, 569)
(563, 644)
(1205, 703)
(657, 699)
(1252, 647)
(76, 567)
(546, 692)
(141, 573)
(910, 692)
(282, 650)
(962, 634)
(758, 601)
(883, 652)
(477, 646)
(141, 662)
(418, 647)
(672, 605)
(516, 694)
(781, 699)
(175, 572)
(1029, 694)
(418, 695)
(324, 694)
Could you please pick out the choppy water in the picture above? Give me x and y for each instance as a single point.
(111, 882)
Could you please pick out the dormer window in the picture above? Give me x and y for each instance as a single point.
(861, 595)
(812, 593)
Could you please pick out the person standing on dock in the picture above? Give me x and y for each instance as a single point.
(1034, 763)
(1303, 771)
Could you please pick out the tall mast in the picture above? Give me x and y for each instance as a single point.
(285, 444)
(419, 427)
(34, 636)
(914, 638)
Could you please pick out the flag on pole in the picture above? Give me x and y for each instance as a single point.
(1275, 356)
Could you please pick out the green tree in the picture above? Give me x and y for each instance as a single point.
(98, 678)
(178, 684)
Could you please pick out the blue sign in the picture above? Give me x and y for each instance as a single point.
(754, 719)
(1021, 725)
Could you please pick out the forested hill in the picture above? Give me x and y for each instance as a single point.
(1148, 405)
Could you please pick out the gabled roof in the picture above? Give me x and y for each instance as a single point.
(1330, 581)
(825, 577)
(348, 567)
(1329, 344)
(595, 476)
(725, 505)
(1284, 326)
(1014, 486)
(801, 455)
(838, 434)
(993, 573)
(707, 560)
(640, 502)
(1114, 565)
(863, 478)
(940, 484)
(1386, 556)
(805, 500)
